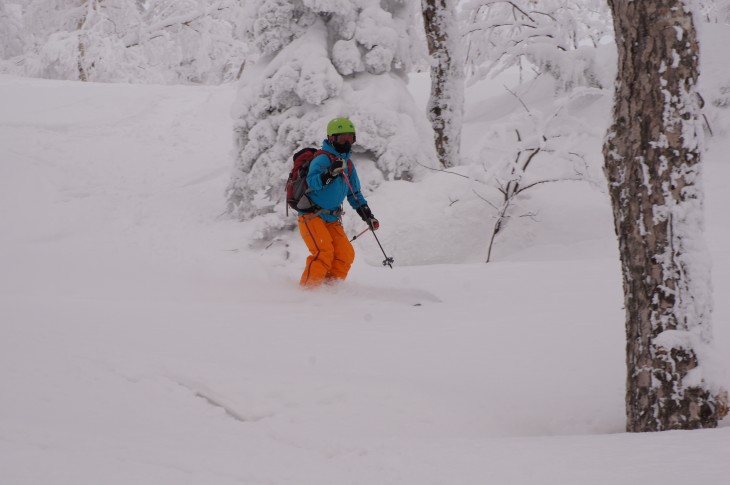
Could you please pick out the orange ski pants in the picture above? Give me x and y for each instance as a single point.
(332, 254)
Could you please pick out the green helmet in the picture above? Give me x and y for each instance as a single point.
(340, 125)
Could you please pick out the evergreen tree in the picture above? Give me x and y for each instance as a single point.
(319, 60)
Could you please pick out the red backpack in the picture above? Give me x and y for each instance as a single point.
(296, 184)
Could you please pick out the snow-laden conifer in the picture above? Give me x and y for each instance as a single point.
(321, 59)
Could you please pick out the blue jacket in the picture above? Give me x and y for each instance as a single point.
(331, 196)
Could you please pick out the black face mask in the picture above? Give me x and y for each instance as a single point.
(342, 147)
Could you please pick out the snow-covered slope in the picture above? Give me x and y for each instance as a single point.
(143, 341)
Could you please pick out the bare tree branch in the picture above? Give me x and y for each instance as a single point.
(485, 199)
(444, 171)
(545, 182)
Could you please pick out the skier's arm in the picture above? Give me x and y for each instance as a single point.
(358, 202)
(318, 171)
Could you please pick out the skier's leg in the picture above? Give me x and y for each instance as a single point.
(319, 242)
(344, 253)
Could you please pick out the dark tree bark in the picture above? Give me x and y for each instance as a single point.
(446, 104)
(652, 162)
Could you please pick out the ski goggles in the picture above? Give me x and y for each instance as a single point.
(344, 138)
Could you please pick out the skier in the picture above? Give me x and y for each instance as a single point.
(330, 180)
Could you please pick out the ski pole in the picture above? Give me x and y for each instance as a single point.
(347, 179)
(363, 232)
(388, 261)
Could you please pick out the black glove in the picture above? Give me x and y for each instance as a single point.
(326, 178)
(336, 168)
(367, 216)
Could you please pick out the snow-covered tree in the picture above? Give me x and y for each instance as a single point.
(563, 44)
(320, 59)
(195, 40)
(11, 30)
(713, 18)
(446, 104)
(714, 11)
(166, 41)
(653, 164)
(75, 39)
(556, 37)
(531, 148)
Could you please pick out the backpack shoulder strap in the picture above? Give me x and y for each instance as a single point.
(350, 166)
(320, 152)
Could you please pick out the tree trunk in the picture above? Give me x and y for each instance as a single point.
(89, 6)
(446, 104)
(652, 162)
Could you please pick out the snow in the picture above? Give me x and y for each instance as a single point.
(143, 340)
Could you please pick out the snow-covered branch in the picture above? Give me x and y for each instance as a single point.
(151, 31)
(554, 39)
(168, 41)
